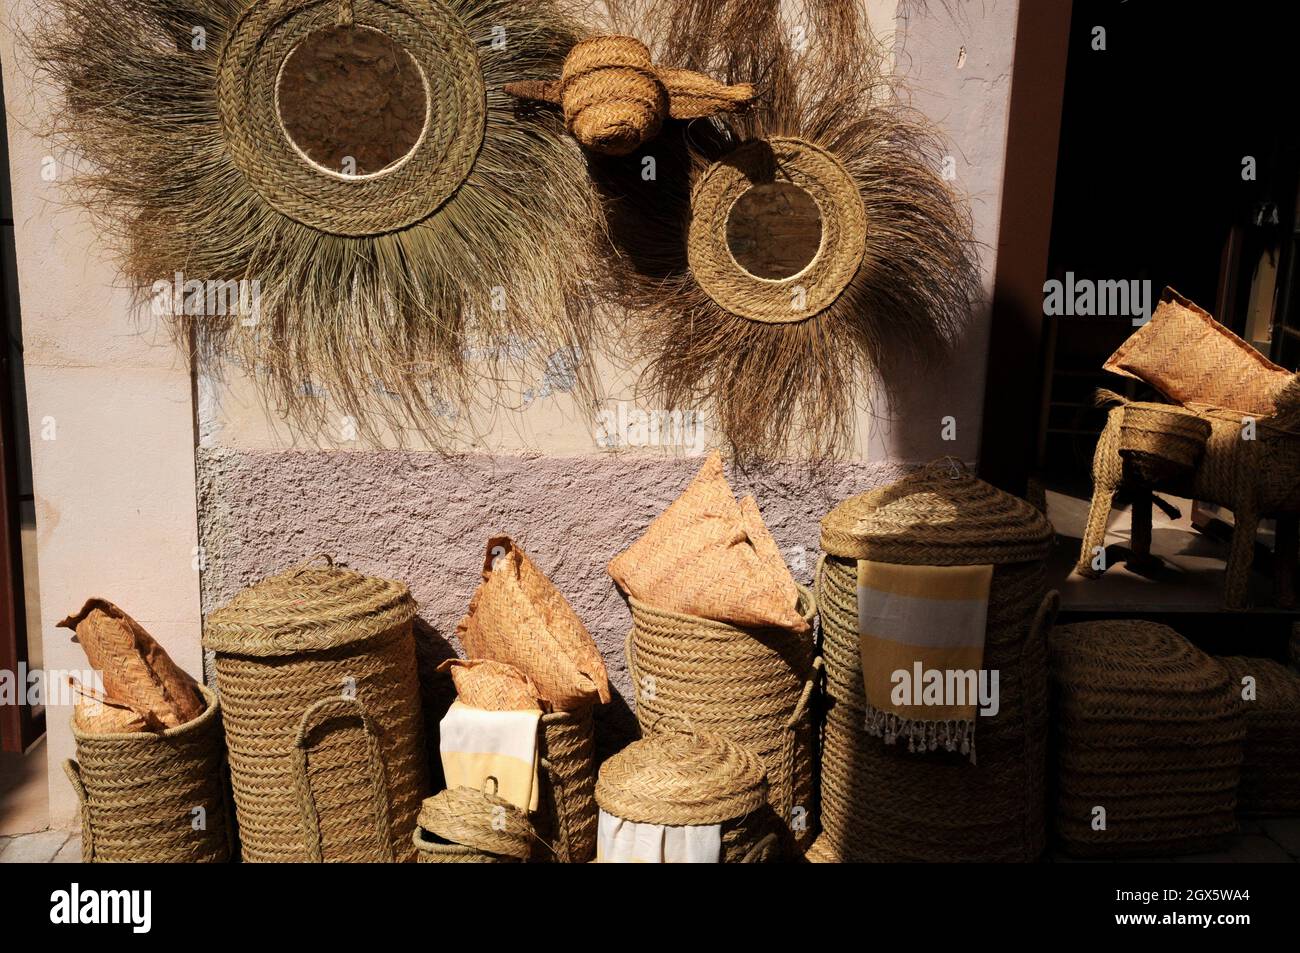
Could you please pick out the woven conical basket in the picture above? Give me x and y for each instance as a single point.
(881, 802)
(317, 675)
(1149, 731)
(684, 779)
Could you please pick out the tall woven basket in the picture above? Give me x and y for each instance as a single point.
(882, 802)
(752, 686)
(317, 675)
(154, 797)
(567, 813)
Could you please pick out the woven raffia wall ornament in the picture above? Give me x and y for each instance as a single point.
(394, 291)
(783, 362)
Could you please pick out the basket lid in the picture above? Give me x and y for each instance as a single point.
(682, 778)
(478, 819)
(941, 515)
(308, 609)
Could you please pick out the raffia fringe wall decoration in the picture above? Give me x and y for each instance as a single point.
(393, 292)
(784, 363)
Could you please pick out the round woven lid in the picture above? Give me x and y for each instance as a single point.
(477, 819)
(940, 515)
(681, 778)
(307, 609)
(1114, 657)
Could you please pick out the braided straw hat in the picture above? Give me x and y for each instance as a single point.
(306, 609)
(941, 515)
(396, 197)
(480, 820)
(682, 778)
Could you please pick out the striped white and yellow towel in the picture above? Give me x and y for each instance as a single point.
(921, 634)
(626, 842)
(477, 744)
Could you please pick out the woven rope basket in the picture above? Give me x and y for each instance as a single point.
(1161, 441)
(154, 798)
(685, 779)
(881, 802)
(464, 826)
(752, 686)
(317, 674)
(1270, 771)
(1148, 730)
(567, 815)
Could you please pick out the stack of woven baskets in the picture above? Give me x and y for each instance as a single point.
(316, 669)
(1269, 697)
(1150, 741)
(881, 802)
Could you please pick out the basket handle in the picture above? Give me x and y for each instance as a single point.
(73, 770)
(629, 654)
(788, 742)
(314, 715)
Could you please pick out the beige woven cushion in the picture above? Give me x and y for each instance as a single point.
(1193, 359)
(138, 674)
(709, 556)
(491, 686)
(517, 616)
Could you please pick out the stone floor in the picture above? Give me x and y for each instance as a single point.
(1263, 840)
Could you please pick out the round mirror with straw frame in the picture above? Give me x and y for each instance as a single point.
(355, 162)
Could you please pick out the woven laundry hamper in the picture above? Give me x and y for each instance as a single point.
(1270, 771)
(685, 779)
(1149, 730)
(753, 686)
(1162, 442)
(154, 797)
(464, 826)
(317, 675)
(566, 812)
(882, 802)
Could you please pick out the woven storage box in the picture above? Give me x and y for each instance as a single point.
(752, 686)
(684, 779)
(1148, 730)
(1270, 771)
(317, 675)
(566, 812)
(140, 793)
(1162, 442)
(881, 802)
(464, 826)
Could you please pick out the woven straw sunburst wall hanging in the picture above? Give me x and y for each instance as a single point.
(776, 264)
(359, 166)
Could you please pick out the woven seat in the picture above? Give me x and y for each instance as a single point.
(684, 779)
(882, 803)
(1148, 732)
(1270, 772)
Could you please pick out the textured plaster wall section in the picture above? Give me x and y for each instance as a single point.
(424, 519)
(111, 418)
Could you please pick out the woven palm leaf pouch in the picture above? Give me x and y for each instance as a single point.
(899, 790)
(316, 673)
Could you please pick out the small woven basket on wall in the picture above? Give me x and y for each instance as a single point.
(151, 797)
(317, 675)
(464, 826)
(752, 686)
(1162, 442)
(567, 814)
(1149, 741)
(685, 779)
(882, 802)
(1270, 771)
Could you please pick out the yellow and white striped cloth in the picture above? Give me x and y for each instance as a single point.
(477, 744)
(913, 621)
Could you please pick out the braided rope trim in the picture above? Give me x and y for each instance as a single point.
(397, 197)
(809, 292)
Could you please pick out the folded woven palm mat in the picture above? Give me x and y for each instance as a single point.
(921, 632)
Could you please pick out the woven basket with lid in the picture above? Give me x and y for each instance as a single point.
(1149, 729)
(1270, 772)
(685, 779)
(317, 677)
(882, 802)
(753, 686)
(464, 826)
